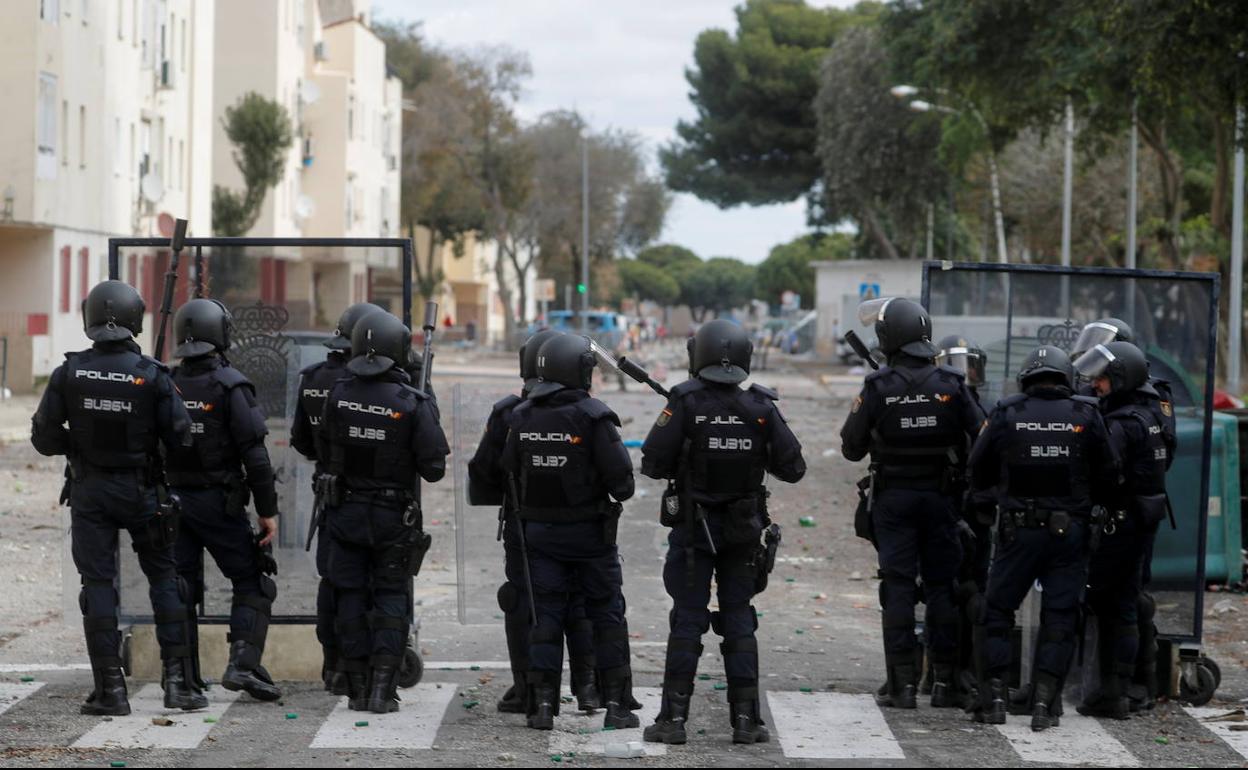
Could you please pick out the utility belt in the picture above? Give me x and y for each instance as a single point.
(743, 522)
(945, 479)
(1056, 521)
(1150, 510)
(608, 511)
(332, 491)
(79, 470)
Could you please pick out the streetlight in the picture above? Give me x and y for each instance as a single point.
(920, 105)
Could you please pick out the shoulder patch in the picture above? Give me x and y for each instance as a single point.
(664, 418)
(598, 410)
(765, 392)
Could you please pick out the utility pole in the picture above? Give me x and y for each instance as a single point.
(1132, 182)
(1236, 320)
(1069, 181)
(584, 234)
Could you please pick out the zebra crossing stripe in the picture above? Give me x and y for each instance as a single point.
(831, 725)
(13, 693)
(413, 726)
(1079, 740)
(583, 734)
(138, 732)
(1237, 740)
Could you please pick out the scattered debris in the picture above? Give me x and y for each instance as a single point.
(630, 750)
(162, 721)
(1237, 715)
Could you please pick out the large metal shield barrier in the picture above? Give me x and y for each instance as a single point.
(1011, 309)
(285, 296)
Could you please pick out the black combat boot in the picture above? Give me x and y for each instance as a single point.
(543, 699)
(515, 700)
(383, 694)
(747, 722)
(900, 691)
(944, 686)
(1046, 696)
(179, 684)
(669, 726)
(356, 674)
(245, 673)
(617, 690)
(585, 688)
(993, 695)
(109, 697)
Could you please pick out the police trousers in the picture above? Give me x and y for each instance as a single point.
(372, 585)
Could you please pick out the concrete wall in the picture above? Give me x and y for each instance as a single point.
(837, 281)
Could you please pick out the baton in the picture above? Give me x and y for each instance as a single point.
(171, 277)
(852, 338)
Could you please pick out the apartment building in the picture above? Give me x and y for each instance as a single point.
(108, 133)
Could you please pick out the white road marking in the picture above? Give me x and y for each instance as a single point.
(583, 733)
(1237, 740)
(137, 731)
(1079, 740)
(413, 726)
(23, 668)
(13, 693)
(466, 665)
(831, 725)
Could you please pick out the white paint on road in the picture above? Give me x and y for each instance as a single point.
(13, 693)
(138, 732)
(466, 665)
(413, 726)
(582, 733)
(1079, 740)
(26, 668)
(1236, 739)
(831, 725)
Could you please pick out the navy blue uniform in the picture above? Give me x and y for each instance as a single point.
(120, 406)
(226, 463)
(314, 384)
(914, 418)
(566, 457)
(1047, 455)
(718, 442)
(376, 435)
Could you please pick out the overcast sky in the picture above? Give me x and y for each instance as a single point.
(621, 63)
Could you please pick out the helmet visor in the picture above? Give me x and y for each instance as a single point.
(873, 310)
(1094, 362)
(969, 361)
(1095, 333)
(602, 356)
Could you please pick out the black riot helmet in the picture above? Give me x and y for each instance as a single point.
(346, 325)
(380, 342)
(201, 326)
(528, 355)
(965, 356)
(1047, 362)
(113, 311)
(1123, 363)
(1100, 332)
(720, 352)
(564, 361)
(901, 325)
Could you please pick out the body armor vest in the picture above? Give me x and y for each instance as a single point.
(918, 435)
(370, 446)
(1144, 468)
(1044, 460)
(316, 383)
(727, 442)
(212, 458)
(110, 399)
(558, 481)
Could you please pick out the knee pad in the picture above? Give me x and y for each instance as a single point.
(508, 597)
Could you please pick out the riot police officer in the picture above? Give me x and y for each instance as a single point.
(1047, 455)
(314, 384)
(226, 463)
(715, 442)
(1106, 330)
(487, 485)
(915, 419)
(120, 406)
(565, 462)
(1119, 372)
(376, 435)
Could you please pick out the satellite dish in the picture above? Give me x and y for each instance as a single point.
(310, 92)
(304, 207)
(152, 187)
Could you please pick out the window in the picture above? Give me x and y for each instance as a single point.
(47, 114)
(132, 167)
(64, 133)
(350, 205)
(351, 117)
(118, 158)
(65, 277)
(181, 164)
(84, 272)
(182, 50)
(82, 136)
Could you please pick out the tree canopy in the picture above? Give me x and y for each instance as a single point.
(788, 266)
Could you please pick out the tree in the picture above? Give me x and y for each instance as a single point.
(716, 285)
(881, 167)
(666, 256)
(647, 282)
(754, 140)
(261, 133)
(788, 266)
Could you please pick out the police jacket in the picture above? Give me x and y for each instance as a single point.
(487, 482)
(1161, 404)
(227, 432)
(914, 418)
(1138, 438)
(119, 405)
(378, 433)
(1045, 449)
(567, 457)
(314, 384)
(719, 441)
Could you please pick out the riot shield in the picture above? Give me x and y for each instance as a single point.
(285, 296)
(1009, 310)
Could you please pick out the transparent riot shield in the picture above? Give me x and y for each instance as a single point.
(479, 552)
(1009, 310)
(285, 296)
